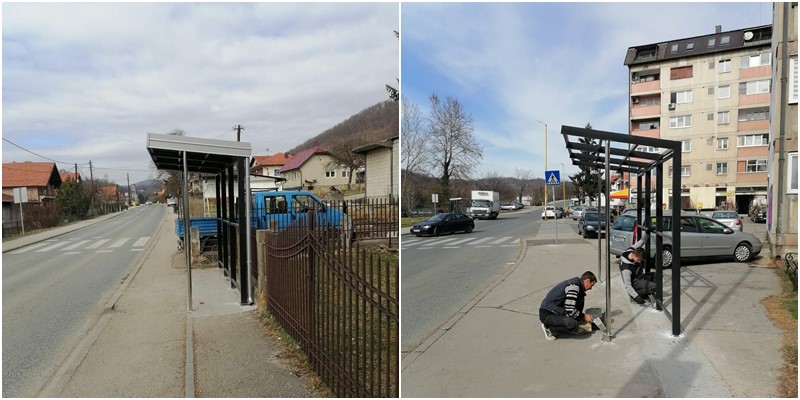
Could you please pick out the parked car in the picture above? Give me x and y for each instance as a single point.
(548, 212)
(507, 206)
(758, 214)
(518, 205)
(728, 218)
(560, 213)
(576, 212)
(700, 237)
(588, 224)
(443, 223)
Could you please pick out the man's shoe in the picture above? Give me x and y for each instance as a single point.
(547, 334)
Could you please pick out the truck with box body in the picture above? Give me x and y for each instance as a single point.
(485, 204)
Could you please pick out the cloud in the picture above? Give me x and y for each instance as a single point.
(99, 76)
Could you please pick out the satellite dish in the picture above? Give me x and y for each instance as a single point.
(748, 35)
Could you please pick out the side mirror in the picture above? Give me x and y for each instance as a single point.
(727, 231)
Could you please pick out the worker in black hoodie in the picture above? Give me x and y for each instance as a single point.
(561, 311)
(631, 268)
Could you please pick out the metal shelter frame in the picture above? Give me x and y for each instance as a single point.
(596, 152)
(228, 161)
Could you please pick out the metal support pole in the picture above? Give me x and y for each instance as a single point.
(607, 335)
(659, 239)
(187, 244)
(676, 243)
(248, 229)
(555, 217)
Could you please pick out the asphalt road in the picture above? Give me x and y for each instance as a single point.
(442, 274)
(52, 290)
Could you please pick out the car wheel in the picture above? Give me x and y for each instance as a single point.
(742, 253)
(469, 229)
(418, 235)
(435, 231)
(666, 257)
(585, 236)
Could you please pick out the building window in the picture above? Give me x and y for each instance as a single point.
(723, 117)
(649, 101)
(344, 173)
(724, 40)
(753, 140)
(294, 177)
(722, 143)
(683, 121)
(755, 61)
(277, 172)
(680, 72)
(722, 168)
(792, 95)
(712, 42)
(686, 146)
(754, 114)
(673, 49)
(754, 87)
(724, 92)
(689, 46)
(649, 149)
(724, 66)
(647, 125)
(792, 164)
(685, 171)
(756, 166)
(682, 97)
(330, 174)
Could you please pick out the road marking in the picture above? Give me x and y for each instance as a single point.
(103, 251)
(482, 240)
(76, 245)
(48, 248)
(31, 247)
(119, 243)
(460, 241)
(97, 244)
(137, 249)
(142, 241)
(73, 252)
(498, 241)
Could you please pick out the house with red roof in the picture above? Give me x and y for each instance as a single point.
(65, 176)
(266, 171)
(40, 180)
(314, 169)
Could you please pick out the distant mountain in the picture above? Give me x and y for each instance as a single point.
(373, 124)
(148, 185)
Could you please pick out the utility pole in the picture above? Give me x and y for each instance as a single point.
(129, 189)
(91, 186)
(238, 129)
(76, 173)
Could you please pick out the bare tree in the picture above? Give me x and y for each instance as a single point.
(524, 176)
(492, 181)
(454, 148)
(414, 154)
(342, 152)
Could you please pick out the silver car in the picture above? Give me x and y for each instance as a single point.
(728, 218)
(700, 237)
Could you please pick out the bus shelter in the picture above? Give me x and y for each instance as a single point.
(228, 162)
(644, 158)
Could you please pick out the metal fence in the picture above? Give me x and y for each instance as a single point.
(340, 302)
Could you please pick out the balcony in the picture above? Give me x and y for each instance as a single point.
(754, 99)
(640, 111)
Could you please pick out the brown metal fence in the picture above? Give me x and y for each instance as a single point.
(340, 303)
(373, 219)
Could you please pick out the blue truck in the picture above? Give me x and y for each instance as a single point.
(279, 209)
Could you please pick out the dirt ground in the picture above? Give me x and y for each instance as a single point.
(783, 319)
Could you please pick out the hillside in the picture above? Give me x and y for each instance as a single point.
(373, 124)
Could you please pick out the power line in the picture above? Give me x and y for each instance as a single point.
(39, 155)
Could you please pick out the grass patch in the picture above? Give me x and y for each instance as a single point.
(409, 221)
(782, 311)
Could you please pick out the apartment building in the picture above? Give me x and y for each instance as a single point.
(782, 207)
(711, 93)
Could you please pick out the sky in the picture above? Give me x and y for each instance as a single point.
(87, 82)
(511, 65)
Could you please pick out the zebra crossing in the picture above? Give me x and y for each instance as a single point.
(458, 242)
(78, 245)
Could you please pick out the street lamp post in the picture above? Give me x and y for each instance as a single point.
(545, 159)
(563, 189)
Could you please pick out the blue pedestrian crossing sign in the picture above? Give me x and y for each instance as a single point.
(552, 178)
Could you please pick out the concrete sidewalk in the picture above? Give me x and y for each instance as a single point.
(147, 344)
(495, 347)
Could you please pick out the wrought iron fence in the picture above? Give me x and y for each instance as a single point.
(340, 302)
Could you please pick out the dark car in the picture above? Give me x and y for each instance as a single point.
(758, 214)
(444, 223)
(587, 225)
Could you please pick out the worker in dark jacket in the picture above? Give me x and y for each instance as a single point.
(561, 311)
(631, 269)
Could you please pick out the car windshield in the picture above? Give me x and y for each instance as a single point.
(480, 203)
(725, 215)
(593, 217)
